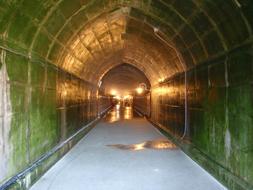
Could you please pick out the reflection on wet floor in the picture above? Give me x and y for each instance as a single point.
(154, 144)
(118, 113)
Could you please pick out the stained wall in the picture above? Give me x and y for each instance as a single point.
(219, 129)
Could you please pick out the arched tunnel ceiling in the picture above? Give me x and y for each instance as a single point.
(88, 37)
(124, 79)
(113, 38)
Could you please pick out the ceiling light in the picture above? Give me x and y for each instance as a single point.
(139, 90)
(113, 92)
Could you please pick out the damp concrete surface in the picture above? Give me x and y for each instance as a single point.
(125, 152)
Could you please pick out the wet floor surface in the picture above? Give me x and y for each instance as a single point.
(120, 113)
(125, 152)
(154, 144)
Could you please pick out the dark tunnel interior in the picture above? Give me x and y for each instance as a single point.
(63, 61)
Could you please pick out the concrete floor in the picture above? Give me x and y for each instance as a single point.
(127, 163)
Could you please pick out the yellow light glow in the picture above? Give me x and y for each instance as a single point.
(127, 97)
(138, 146)
(118, 97)
(114, 114)
(117, 106)
(113, 92)
(161, 80)
(139, 90)
(128, 113)
(64, 93)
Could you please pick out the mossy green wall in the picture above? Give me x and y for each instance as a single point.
(41, 106)
(220, 115)
(38, 107)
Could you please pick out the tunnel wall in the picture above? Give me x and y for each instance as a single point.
(142, 104)
(24, 95)
(41, 107)
(104, 102)
(168, 104)
(77, 103)
(220, 115)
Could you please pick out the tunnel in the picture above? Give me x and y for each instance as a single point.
(180, 70)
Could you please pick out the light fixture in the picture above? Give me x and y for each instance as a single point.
(139, 90)
(161, 80)
(113, 92)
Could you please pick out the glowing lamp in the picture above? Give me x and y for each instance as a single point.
(139, 90)
(113, 92)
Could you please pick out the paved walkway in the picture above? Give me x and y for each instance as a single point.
(125, 152)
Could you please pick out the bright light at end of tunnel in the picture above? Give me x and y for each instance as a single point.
(139, 90)
(127, 97)
(113, 92)
(118, 97)
(161, 80)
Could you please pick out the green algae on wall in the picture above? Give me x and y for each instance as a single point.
(220, 116)
(220, 105)
(33, 101)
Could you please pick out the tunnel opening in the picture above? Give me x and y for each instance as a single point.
(123, 80)
(58, 59)
(124, 83)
